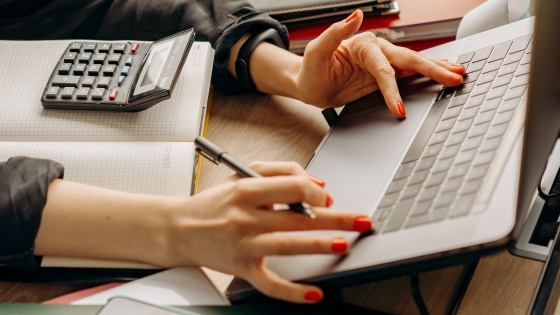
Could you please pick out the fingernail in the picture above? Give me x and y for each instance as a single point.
(329, 201)
(362, 224)
(400, 109)
(456, 65)
(351, 16)
(313, 296)
(339, 245)
(316, 180)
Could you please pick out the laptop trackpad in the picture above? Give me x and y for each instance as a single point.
(362, 153)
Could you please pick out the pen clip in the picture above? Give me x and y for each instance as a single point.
(204, 154)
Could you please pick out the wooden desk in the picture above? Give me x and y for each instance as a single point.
(274, 129)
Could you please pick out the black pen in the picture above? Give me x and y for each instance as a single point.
(215, 154)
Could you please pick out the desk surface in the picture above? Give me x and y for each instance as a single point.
(272, 128)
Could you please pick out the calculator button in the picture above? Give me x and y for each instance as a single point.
(65, 80)
(67, 92)
(88, 81)
(93, 70)
(121, 80)
(119, 48)
(103, 48)
(97, 93)
(113, 94)
(99, 58)
(79, 69)
(75, 47)
(125, 70)
(84, 57)
(114, 59)
(103, 82)
(128, 61)
(52, 92)
(70, 57)
(89, 47)
(134, 48)
(109, 70)
(64, 68)
(82, 93)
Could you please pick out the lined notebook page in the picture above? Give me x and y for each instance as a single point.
(162, 168)
(25, 68)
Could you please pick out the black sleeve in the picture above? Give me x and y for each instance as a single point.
(23, 194)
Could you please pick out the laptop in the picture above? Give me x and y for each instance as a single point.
(441, 185)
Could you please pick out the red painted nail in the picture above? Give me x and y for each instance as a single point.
(313, 296)
(351, 16)
(316, 180)
(400, 109)
(329, 201)
(362, 224)
(339, 245)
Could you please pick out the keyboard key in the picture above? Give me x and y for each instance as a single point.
(523, 69)
(513, 57)
(496, 131)
(99, 58)
(472, 143)
(388, 200)
(503, 118)
(67, 92)
(428, 193)
(134, 48)
(84, 57)
(481, 89)
(121, 80)
(450, 151)
(458, 100)
(462, 206)
(457, 138)
(487, 77)
(462, 125)
(471, 77)
(52, 92)
(520, 80)
(445, 124)
(515, 92)
(421, 208)
(64, 68)
(418, 177)
(93, 70)
(510, 68)
(432, 150)
(398, 216)
(439, 137)
(98, 94)
(451, 112)
(89, 47)
(435, 179)
(396, 185)
(75, 47)
(114, 93)
(125, 70)
(442, 165)
(465, 57)
(520, 43)
(471, 187)
(477, 172)
(444, 200)
(70, 57)
(529, 48)
(526, 59)
(484, 158)
(465, 88)
(65, 80)
(411, 191)
(405, 170)
(114, 59)
(82, 93)
(483, 53)
(426, 163)
(128, 61)
(490, 105)
(104, 82)
(475, 66)
(484, 117)
(492, 66)
(119, 48)
(103, 48)
(465, 157)
(434, 216)
(500, 51)
(79, 69)
(490, 144)
(452, 185)
(88, 81)
(109, 70)
(478, 130)
(475, 101)
(509, 104)
(458, 171)
(497, 92)
(503, 80)
(469, 113)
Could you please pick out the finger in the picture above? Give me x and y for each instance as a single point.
(277, 168)
(322, 47)
(453, 67)
(287, 221)
(281, 189)
(272, 285)
(283, 245)
(405, 58)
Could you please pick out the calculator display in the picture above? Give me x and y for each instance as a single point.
(153, 67)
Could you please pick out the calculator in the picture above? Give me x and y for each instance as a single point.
(117, 76)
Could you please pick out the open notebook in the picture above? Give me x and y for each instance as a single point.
(149, 152)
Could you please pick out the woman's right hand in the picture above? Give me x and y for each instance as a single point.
(230, 228)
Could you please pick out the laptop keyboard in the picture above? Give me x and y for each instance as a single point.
(448, 160)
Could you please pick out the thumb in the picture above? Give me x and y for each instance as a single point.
(324, 45)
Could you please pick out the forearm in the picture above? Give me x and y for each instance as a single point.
(91, 222)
